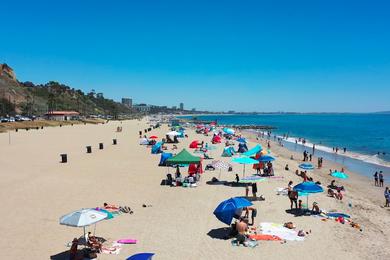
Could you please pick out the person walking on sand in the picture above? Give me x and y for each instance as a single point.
(310, 157)
(380, 179)
(246, 191)
(253, 211)
(387, 197)
(376, 178)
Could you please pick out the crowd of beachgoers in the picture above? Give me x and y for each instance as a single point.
(223, 191)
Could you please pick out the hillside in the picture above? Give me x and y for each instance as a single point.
(29, 99)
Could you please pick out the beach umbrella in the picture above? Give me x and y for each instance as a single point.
(252, 179)
(141, 256)
(173, 133)
(308, 187)
(266, 158)
(82, 218)
(153, 137)
(244, 161)
(340, 175)
(306, 166)
(227, 209)
(241, 140)
(221, 165)
(229, 131)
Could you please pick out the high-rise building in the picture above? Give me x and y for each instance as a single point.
(127, 102)
(182, 106)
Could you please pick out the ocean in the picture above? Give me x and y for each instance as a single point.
(366, 136)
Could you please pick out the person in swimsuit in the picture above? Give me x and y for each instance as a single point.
(380, 179)
(376, 178)
(242, 228)
(387, 197)
(253, 211)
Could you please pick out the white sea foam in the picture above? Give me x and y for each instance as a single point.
(373, 159)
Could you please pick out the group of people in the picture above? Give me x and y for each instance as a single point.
(378, 177)
(294, 200)
(307, 156)
(241, 226)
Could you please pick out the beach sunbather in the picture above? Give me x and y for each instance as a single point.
(73, 250)
(242, 228)
(316, 208)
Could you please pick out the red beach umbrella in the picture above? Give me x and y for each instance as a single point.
(153, 137)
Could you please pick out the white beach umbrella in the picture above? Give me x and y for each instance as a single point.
(82, 218)
(221, 165)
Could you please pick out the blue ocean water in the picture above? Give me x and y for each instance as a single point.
(365, 134)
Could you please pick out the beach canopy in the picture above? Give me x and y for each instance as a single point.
(340, 175)
(82, 218)
(266, 158)
(306, 166)
(227, 209)
(184, 157)
(141, 256)
(253, 151)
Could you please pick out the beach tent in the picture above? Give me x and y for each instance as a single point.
(192, 168)
(157, 148)
(216, 139)
(143, 141)
(242, 148)
(194, 144)
(184, 157)
(228, 152)
(164, 157)
(253, 151)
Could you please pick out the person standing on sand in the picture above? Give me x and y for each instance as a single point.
(376, 178)
(253, 211)
(314, 148)
(254, 190)
(310, 157)
(380, 179)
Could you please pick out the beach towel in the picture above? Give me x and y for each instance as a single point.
(280, 231)
(265, 237)
(114, 249)
(281, 191)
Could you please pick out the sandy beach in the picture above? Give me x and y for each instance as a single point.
(36, 190)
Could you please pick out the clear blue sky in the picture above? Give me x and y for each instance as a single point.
(217, 55)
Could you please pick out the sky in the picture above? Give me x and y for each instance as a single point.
(302, 56)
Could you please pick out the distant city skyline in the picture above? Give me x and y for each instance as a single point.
(305, 56)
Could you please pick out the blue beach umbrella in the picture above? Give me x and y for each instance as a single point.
(241, 140)
(306, 166)
(229, 131)
(244, 161)
(340, 175)
(141, 256)
(306, 188)
(266, 158)
(227, 209)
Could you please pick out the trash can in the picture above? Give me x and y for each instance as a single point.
(114, 141)
(89, 149)
(101, 146)
(64, 158)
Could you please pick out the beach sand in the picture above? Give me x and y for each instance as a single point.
(36, 190)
